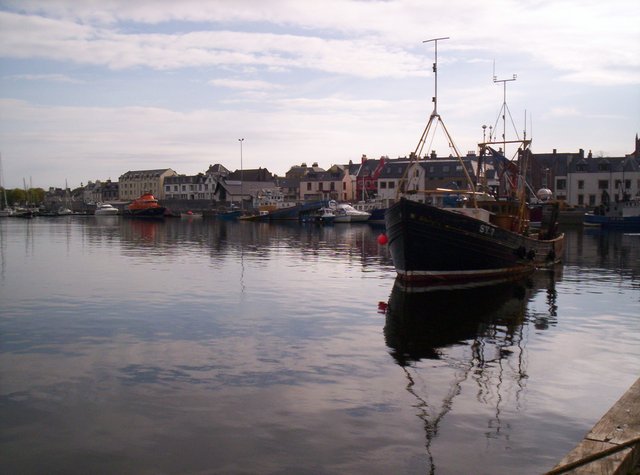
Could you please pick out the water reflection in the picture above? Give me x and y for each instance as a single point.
(478, 334)
(251, 241)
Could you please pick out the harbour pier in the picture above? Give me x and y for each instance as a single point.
(613, 445)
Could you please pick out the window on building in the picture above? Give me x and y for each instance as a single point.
(618, 184)
(383, 185)
(344, 186)
(332, 187)
(392, 184)
(561, 184)
(167, 188)
(580, 200)
(581, 184)
(627, 184)
(308, 186)
(581, 167)
(604, 167)
(320, 186)
(603, 184)
(592, 200)
(184, 187)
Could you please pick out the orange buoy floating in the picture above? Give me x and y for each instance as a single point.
(382, 239)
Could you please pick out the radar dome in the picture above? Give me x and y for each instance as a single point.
(544, 194)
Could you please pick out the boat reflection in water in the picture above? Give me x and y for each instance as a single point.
(474, 340)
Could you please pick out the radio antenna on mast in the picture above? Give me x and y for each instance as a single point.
(504, 109)
(435, 72)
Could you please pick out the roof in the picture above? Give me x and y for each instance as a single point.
(184, 179)
(336, 174)
(394, 168)
(145, 173)
(447, 168)
(259, 174)
(596, 164)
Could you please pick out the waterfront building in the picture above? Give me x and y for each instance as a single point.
(367, 175)
(593, 181)
(99, 191)
(184, 187)
(243, 185)
(289, 187)
(389, 180)
(133, 184)
(337, 183)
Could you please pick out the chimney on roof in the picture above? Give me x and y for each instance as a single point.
(314, 164)
(590, 154)
(555, 151)
(433, 155)
(363, 159)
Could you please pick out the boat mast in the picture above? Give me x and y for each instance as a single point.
(435, 118)
(504, 109)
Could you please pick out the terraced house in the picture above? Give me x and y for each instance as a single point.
(134, 183)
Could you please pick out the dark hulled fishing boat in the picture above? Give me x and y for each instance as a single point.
(486, 240)
(436, 246)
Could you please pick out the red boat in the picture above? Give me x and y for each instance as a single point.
(146, 206)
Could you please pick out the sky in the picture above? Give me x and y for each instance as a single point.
(90, 89)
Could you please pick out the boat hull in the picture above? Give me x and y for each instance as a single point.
(608, 222)
(435, 246)
(156, 212)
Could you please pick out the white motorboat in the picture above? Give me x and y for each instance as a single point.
(345, 213)
(105, 209)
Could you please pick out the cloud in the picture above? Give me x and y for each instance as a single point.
(564, 112)
(44, 77)
(244, 84)
(570, 36)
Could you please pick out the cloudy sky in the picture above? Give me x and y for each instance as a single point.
(90, 89)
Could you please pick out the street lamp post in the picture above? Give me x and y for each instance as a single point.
(241, 177)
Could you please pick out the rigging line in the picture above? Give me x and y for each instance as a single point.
(433, 137)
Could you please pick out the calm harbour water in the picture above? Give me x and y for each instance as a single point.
(211, 347)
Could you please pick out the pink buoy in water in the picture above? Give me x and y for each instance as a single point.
(382, 239)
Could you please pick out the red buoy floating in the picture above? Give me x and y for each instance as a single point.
(382, 239)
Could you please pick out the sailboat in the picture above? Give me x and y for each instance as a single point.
(486, 241)
(5, 211)
(65, 210)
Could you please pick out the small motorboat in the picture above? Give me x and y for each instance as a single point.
(105, 209)
(321, 216)
(345, 213)
(191, 215)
